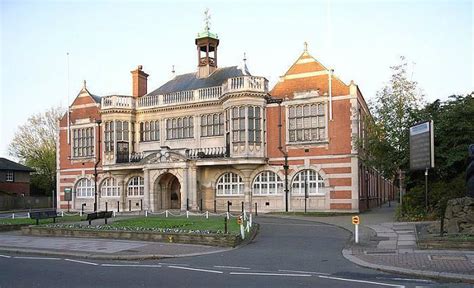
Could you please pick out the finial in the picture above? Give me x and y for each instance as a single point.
(207, 19)
(173, 72)
(84, 85)
(305, 46)
(245, 57)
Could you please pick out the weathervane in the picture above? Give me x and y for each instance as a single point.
(207, 19)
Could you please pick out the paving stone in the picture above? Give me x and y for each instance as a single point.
(406, 243)
(406, 238)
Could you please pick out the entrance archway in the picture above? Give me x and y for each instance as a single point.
(168, 192)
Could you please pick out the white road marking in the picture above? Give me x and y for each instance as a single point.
(270, 274)
(361, 281)
(174, 264)
(232, 267)
(81, 262)
(5, 256)
(36, 258)
(131, 265)
(406, 279)
(304, 272)
(195, 269)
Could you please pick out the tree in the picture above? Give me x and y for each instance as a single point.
(35, 145)
(393, 112)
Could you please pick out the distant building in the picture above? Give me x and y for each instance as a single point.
(14, 178)
(219, 135)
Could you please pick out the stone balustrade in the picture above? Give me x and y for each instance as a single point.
(117, 101)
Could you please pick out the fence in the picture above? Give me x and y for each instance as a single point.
(24, 202)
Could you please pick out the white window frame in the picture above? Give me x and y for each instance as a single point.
(325, 119)
(315, 183)
(80, 142)
(10, 176)
(229, 184)
(180, 128)
(136, 187)
(85, 188)
(262, 183)
(110, 187)
(212, 125)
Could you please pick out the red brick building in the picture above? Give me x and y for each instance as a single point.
(14, 178)
(219, 135)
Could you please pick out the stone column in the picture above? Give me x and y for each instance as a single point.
(148, 197)
(247, 189)
(123, 191)
(194, 201)
(184, 189)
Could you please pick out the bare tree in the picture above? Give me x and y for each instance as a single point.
(35, 145)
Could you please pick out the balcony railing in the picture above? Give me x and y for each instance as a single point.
(116, 101)
(237, 84)
(212, 152)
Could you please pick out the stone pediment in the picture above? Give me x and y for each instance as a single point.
(166, 156)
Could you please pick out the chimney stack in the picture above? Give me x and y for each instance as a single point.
(139, 79)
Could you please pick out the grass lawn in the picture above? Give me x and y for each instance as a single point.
(9, 221)
(314, 214)
(213, 224)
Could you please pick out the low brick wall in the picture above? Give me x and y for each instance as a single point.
(440, 244)
(222, 240)
(11, 227)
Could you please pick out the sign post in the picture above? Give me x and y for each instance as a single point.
(355, 221)
(422, 150)
(68, 196)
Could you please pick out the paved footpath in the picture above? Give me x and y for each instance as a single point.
(99, 248)
(391, 246)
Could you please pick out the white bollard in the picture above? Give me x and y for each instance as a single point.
(207, 214)
(146, 213)
(356, 233)
(166, 213)
(113, 213)
(28, 214)
(242, 231)
(13, 215)
(62, 213)
(227, 215)
(187, 214)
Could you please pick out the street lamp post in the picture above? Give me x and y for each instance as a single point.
(98, 122)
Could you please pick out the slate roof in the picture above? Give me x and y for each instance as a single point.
(6, 164)
(190, 81)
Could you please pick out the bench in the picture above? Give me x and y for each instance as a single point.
(45, 214)
(99, 215)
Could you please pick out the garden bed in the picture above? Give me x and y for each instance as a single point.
(426, 240)
(172, 230)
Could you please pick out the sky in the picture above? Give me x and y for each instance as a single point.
(105, 40)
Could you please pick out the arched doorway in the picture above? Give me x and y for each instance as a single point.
(168, 192)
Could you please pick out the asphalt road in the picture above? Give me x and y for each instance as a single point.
(286, 253)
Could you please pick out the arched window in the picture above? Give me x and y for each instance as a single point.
(230, 184)
(85, 188)
(307, 179)
(266, 183)
(110, 188)
(136, 186)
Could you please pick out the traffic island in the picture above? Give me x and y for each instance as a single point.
(184, 231)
